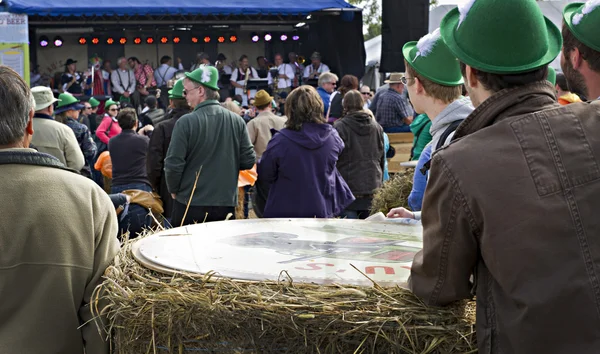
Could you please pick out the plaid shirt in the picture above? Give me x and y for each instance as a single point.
(141, 73)
(392, 109)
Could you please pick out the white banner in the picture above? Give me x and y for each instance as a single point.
(13, 28)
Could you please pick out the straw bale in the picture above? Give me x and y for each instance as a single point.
(150, 312)
(394, 192)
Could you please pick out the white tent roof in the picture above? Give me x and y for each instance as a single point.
(550, 9)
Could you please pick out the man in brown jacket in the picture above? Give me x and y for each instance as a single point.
(57, 236)
(260, 128)
(511, 209)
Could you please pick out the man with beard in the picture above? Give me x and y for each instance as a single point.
(580, 60)
(510, 209)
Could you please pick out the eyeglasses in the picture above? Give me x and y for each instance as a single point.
(113, 110)
(88, 107)
(405, 80)
(185, 92)
(366, 93)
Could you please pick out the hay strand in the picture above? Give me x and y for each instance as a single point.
(152, 312)
(191, 196)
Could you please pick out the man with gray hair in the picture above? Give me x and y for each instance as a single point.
(123, 81)
(209, 147)
(52, 137)
(58, 235)
(327, 84)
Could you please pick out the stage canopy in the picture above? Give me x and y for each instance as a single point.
(168, 7)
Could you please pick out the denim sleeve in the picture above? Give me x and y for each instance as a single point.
(415, 199)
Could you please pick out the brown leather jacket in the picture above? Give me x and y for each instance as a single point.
(514, 204)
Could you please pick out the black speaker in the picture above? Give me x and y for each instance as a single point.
(402, 21)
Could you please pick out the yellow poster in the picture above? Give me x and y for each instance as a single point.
(16, 56)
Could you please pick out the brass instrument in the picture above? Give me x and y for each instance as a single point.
(219, 65)
(301, 60)
(246, 80)
(274, 71)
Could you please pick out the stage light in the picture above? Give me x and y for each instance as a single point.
(123, 40)
(137, 40)
(164, 40)
(110, 40)
(300, 24)
(149, 40)
(296, 38)
(268, 37)
(283, 37)
(195, 40)
(58, 41)
(44, 41)
(176, 40)
(221, 39)
(207, 39)
(95, 40)
(82, 40)
(255, 37)
(233, 38)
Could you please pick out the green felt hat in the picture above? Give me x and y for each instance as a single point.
(177, 90)
(94, 102)
(66, 99)
(205, 75)
(551, 75)
(501, 37)
(431, 58)
(67, 102)
(109, 103)
(583, 21)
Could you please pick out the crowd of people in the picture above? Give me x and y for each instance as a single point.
(505, 187)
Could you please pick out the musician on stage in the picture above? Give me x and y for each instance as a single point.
(71, 80)
(298, 69)
(240, 77)
(314, 70)
(286, 75)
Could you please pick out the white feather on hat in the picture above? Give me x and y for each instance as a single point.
(463, 10)
(205, 74)
(587, 8)
(426, 44)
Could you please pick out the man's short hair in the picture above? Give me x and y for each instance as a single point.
(588, 54)
(327, 77)
(243, 57)
(17, 103)
(499, 82)
(134, 59)
(260, 57)
(180, 103)
(165, 59)
(127, 118)
(446, 94)
(561, 81)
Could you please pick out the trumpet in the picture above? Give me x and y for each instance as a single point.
(301, 60)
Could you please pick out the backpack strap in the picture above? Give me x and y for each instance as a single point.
(417, 134)
(440, 144)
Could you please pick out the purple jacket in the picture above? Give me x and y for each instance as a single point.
(300, 167)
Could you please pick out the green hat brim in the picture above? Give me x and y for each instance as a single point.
(450, 23)
(568, 13)
(410, 52)
(191, 77)
(172, 96)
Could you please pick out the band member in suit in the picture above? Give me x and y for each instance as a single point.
(240, 77)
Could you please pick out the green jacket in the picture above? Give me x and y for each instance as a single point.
(216, 140)
(420, 128)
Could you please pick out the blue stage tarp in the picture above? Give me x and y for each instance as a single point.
(169, 7)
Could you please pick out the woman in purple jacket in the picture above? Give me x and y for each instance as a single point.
(300, 163)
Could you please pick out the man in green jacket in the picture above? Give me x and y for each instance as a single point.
(208, 148)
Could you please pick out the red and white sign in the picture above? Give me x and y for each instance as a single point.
(322, 251)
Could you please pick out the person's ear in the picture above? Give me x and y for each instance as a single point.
(419, 86)
(471, 77)
(29, 127)
(575, 58)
